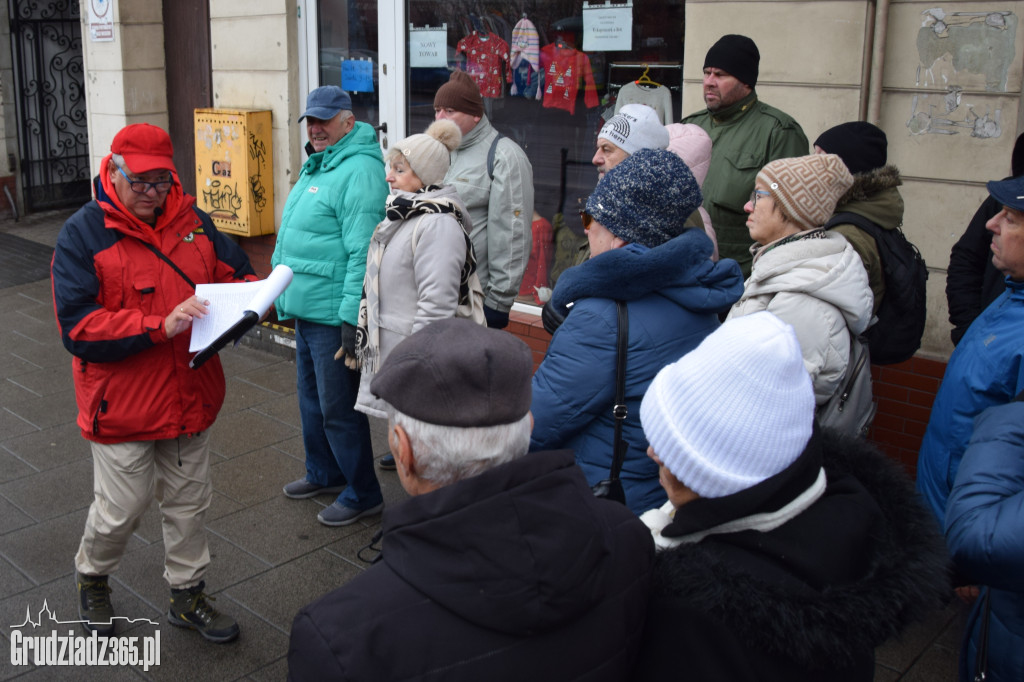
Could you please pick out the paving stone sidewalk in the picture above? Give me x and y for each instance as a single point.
(270, 556)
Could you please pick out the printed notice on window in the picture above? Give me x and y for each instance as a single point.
(357, 75)
(428, 47)
(607, 27)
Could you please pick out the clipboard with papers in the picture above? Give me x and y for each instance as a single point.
(234, 309)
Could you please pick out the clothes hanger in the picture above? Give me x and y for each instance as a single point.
(646, 79)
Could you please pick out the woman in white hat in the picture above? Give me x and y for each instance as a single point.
(420, 266)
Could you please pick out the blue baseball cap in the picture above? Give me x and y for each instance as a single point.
(325, 103)
(1009, 193)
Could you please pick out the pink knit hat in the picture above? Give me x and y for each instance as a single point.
(693, 145)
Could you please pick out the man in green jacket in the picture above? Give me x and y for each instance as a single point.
(745, 133)
(325, 231)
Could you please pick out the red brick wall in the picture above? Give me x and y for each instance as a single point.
(531, 331)
(259, 250)
(904, 393)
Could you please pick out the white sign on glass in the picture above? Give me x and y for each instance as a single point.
(607, 27)
(428, 47)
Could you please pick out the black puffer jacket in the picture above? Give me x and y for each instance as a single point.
(518, 573)
(972, 281)
(809, 600)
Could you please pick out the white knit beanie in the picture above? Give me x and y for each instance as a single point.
(635, 127)
(429, 153)
(733, 412)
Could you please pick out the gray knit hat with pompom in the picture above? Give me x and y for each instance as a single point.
(647, 198)
(429, 153)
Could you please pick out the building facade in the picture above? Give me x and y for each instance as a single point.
(944, 81)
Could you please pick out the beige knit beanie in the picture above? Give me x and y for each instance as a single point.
(807, 188)
(429, 153)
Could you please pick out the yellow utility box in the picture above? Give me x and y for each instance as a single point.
(235, 170)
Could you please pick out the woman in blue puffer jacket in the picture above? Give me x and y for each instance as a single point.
(985, 535)
(641, 254)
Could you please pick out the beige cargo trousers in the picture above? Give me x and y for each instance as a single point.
(126, 478)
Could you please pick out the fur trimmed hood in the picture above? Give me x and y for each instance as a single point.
(904, 577)
(875, 196)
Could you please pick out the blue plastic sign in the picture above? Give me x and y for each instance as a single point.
(357, 75)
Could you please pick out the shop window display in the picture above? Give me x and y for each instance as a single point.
(547, 91)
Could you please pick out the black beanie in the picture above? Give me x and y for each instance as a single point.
(861, 145)
(737, 56)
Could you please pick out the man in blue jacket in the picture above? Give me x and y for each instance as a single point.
(985, 536)
(325, 231)
(987, 367)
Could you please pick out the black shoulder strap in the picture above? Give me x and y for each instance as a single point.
(490, 155)
(162, 256)
(619, 411)
(848, 218)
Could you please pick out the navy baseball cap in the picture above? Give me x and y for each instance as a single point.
(1009, 193)
(325, 103)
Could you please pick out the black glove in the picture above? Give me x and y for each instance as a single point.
(347, 352)
(495, 320)
(551, 318)
(348, 338)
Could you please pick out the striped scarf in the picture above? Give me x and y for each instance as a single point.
(397, 211)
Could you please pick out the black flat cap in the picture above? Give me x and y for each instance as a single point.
(458, 373)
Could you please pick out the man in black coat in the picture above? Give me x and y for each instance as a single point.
(972, 281)
(502, 565)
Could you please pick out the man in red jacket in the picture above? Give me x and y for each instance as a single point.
(124, 274)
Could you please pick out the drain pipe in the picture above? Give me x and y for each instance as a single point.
(881, 29)
(10, 200)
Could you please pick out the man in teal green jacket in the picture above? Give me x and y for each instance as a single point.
(325, 231)
(745, 134)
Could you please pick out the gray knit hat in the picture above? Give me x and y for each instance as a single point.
(429, 153)
(807, 188)
(736, 410)
(635, 127)
(647, 198)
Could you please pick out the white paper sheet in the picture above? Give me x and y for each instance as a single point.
(228, 303)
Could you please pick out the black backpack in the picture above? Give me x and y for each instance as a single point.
(896, 335)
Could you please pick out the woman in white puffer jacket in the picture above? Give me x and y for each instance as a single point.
(809, 277)
(420, 266)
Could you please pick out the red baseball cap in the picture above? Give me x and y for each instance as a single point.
(144, 147)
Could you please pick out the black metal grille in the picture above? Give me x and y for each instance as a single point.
(46, 41)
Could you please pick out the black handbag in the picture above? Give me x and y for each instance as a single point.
(611, 487)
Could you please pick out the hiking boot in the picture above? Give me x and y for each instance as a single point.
(340, 515)
(191, 608)
(387, 463)
(303, 489)
(94, 607)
